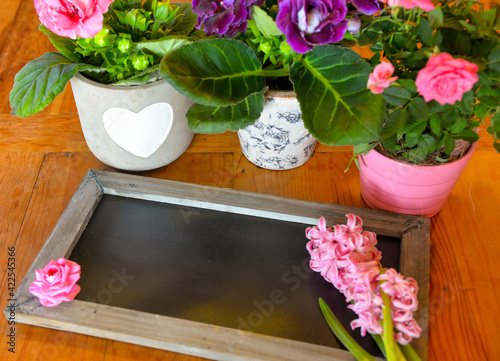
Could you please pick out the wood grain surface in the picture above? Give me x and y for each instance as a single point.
(43, 159)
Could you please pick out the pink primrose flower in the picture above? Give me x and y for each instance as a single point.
(445, 79)
(72, 18)
(56, 282)
(381, 77)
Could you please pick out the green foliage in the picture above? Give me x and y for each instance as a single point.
(337, 108)
(209, 120)
(127, 51)
(408, 38)
(41, 80)
(216, 72)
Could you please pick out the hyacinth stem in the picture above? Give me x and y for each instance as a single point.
(341, 333)
(409, 353)
(392, 351)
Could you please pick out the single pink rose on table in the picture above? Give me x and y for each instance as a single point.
(445, 79)
(72, 18)
(381, 77)
(426, 5)
(56, 282)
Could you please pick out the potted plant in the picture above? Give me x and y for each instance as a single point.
(438, 70)
(110, 50)
(260, 47)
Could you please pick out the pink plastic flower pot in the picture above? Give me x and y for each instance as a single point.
(393, 186)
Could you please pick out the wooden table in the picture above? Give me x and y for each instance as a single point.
(43, 158)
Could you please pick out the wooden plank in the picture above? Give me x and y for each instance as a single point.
(464, 268)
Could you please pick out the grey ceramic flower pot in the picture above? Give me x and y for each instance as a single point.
(278, 140)
(133, 128)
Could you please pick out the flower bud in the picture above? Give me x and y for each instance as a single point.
(104, 37)
(354, 25)
(124, 45)
(265, 47)
(139, 61)
(285, 48)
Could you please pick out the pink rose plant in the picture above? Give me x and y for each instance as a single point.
(72, 18)
(445, 79)
(347, 256)
(381, 77)
(56, 282)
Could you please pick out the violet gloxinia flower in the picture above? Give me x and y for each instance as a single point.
(367, 7)
(224, 18)
(311, 22)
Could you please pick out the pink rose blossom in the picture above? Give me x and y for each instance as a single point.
(72, 18)
(426, 5)
(347, 257)
(56, 282)
(445, 79)
(381, 77)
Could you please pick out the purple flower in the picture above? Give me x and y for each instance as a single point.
(367, 7)
(224, 18)
(310, 22)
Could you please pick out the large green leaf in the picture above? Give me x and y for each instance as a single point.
(210, 120)
(41, 80)
(66, 46)
(337, 108)
(218, 72)
(161, 47)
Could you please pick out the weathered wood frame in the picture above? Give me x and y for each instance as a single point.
(196, 338)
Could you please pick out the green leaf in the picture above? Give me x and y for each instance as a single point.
(337, 108)
(210, 120)
(462, 44)
(436, 17)
(449, 116)
(467, 103)
(428, 142)
(367, 38)
(390, 143)
(449, 144)
(363, 148)
(265, 23)
(494, 60)
(395, 95)
(490, 16)
(497, 146)
(418, 108)
(468, 135)
(416, 155)
(411, 140)
(459, 125)
(217, 72)
(395, 121)
(340, 332)
(435, 124)
(185, 21)
(408, 84)
(66, 46)
(425, 31)
(161, 47)
(414, 127)
(41, 80)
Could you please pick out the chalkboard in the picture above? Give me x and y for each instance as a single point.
(208, 259)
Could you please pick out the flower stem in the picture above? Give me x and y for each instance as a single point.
(342, 335)
(392, 351)
(409, 353)
(274, 73)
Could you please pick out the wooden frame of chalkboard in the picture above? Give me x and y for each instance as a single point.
(197, 338)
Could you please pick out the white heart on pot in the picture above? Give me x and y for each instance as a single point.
(139, 133)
